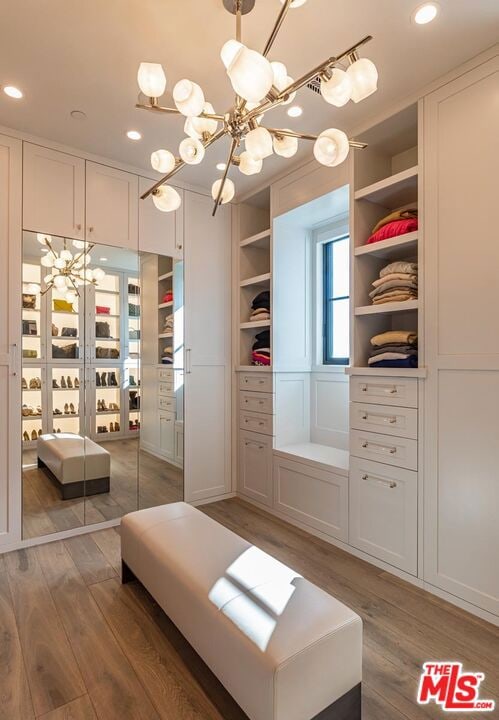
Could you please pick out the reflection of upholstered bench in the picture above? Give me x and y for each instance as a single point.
(78, 465)
(282, 647)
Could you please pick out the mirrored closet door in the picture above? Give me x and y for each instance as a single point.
(102, 382)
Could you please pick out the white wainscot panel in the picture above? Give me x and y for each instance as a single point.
(312, 496)
(292, 402)
(329, 423)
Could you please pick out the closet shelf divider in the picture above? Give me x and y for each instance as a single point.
(385, 308)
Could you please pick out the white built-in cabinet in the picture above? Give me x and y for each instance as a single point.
(207, 432)
(160, 232)
(53, 192)
(461, 451)
(10, 388)
(111, 209)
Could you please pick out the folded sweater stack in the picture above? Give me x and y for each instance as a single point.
(167, 355)
(396, 223)
(394, 349)
(397, 282)
(260, 307)
(168, 324)
(260, 354)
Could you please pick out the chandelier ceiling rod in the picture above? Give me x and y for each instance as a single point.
(275, 30)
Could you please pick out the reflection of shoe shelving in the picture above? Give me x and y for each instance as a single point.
(28, 412)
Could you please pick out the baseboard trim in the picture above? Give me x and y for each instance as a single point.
(54, 537)
(412, 579)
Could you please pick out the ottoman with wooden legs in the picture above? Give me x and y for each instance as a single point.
(77, 465)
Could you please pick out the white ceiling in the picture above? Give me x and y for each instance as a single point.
(84, 56)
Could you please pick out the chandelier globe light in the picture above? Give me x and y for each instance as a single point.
(337, 90)
(68, 270)
(260, 85)
(331, 147)
(364, 77)
(285, 145)
(167, 199)
(249, 165)
(188, 98)
(191, 151)
(163, 161)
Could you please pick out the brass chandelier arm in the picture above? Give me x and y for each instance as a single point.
(306, 136)
(232, 151)
(268, 105)
(275, 30)
(180, 164)
(174, 111)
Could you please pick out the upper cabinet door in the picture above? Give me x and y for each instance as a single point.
(54, 192)
(112, 206)
(159, 232)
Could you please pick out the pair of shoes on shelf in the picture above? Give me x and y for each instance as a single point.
(102, 429)
(34, 435)
(106, 379)
(24, 384)
(101, 406)
(54, 431)
(114, 406)
(69, 409)
(26, 437)
(57, 411)
(114, 427)
(66, 383)
(28, 410)
(133, 425)
(34, 384)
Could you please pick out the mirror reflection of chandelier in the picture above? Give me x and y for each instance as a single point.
(260, 86)
(69, 269)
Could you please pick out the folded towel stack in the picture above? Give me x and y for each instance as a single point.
(168, 324)
(394, 349)
(397, 282)
(261, 307)
(396, 223)
(260, 354)
(167, 356)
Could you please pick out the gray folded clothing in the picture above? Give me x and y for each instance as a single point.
(400, 348)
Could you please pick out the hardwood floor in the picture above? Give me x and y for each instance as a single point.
(77, 645)
(136, 478)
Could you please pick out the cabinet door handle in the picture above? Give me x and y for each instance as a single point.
(249, 444)
(78, 226)
(387, 483)
(91, 229)
(385, 418)
(188, 368)
(383, 448)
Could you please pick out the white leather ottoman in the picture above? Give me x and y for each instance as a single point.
(78, 465)
(282, 647)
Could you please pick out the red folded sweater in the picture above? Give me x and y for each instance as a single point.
(393, 229)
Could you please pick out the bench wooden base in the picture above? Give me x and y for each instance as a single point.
(80, 488)
(347, 707)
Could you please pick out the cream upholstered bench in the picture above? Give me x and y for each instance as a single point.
(282, 647)
(78, 465)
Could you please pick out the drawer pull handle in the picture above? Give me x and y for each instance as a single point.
(249, 444)
(383, 448)
(391, 390)
(386, 418)
(388, 483)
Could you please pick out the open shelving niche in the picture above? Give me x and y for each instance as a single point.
(386, 179)
(254, 272)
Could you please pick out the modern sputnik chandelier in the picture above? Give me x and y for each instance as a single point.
(260, 86)
(68, 270)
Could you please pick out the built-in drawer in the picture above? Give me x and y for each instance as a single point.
(260, 382)
(401, 452)
(255, 466)
(312, 496)
(165, 388)
(256, 402)
(401, 392)
(256, 422)
(383, 513)
(167, 402)
(385, 419)
(165, 374)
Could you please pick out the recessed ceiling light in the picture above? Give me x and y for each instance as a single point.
(425, 13)
(102, 259)
(134, 135)
(295, 111)
(221, 166)
(13, 92)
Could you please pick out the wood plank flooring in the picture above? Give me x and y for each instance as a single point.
(77, 645)
(138, 479)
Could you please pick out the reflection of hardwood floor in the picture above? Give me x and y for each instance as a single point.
(138, 479)
(97, 650)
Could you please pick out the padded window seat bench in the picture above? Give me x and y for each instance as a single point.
(330, 458)
(282, 647)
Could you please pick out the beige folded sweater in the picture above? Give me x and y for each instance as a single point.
(395, 336)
